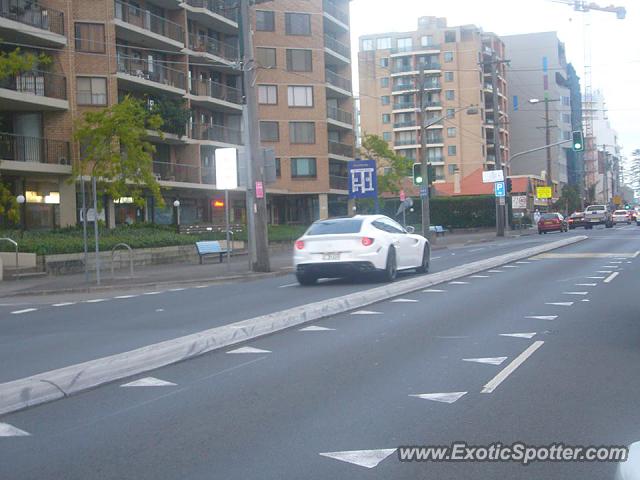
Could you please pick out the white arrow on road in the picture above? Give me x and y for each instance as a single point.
(249, 350)
(487, 360)
(315, 328)
(519, 335)
(575, 293)
(542, 317)
(149, 382)
(449, 397)
(433, 290)
(403, 300)
(362, 458)
(7, 430)
(366, 312)
(560, 304)
(480, 276)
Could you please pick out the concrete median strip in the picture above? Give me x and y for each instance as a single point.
(55, 384)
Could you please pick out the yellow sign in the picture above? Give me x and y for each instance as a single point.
(617, 200)
(543, 192)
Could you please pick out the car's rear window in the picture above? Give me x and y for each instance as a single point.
(549, 216)
(594, 208)
(337, 226)
(620, 212)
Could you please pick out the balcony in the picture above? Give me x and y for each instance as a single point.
(141, 75)
(213, 13)
(404, 105)
(341, 149)
(337, 48)
(334, 12)
(20, 153)
(337, 182)
(406, 141)
(429, 66)
(435, 140)
(432, 104)
(141, 27)
(341, 116)
(400, 87)
(406, 124)
(341, 85)
(25, 21)
(41, 91)
(176, 172)
(219, 95)
(432, 86)
(213, 48)
(216, 133)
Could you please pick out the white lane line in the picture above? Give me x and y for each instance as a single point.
(585, 300)
(616, 262)
(586, 284)
(509, 369)
(7, 430)
(152, 293)
(362, 458)
(635, 255)
(495, 271)
(435, 258)
(519, 335)
(575, 293)
(542, 317)
(560, 304)
(63, 304)
(458, 283)
(523, 262)
(448, 397)
(149, 382)
(201, 286)
(289, 285)
(486, 360)
(603, 271)
(366, 312)
(176, 289)
(96, 300)
(610, 266)
(480, 276)
(611, 277)
(477, 249)
(159, 310)
(511, 266)
(595, 278)
(629, 262)
(433, 290)
(404, 300)
(26, 310)
(126, 296)
(315, 328)
(249, 350)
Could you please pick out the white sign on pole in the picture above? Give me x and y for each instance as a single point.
(492, 176)
(519, 202)
(226, 168)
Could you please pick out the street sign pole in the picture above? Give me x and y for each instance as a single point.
(226, 227)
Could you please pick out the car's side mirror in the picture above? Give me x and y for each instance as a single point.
(410, 229)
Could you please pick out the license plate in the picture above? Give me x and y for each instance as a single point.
(330, 256)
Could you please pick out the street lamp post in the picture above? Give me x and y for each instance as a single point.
(176, 205)
(21, 206)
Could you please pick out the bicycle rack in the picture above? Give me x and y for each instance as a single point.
(113, 252)
(14, 243)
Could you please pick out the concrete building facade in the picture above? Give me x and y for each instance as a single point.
(604, 176)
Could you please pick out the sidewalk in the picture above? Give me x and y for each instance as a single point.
(188, 273)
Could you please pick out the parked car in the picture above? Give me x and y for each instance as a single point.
(343, 247)
(597, 215)
(621, 216)
(576, 220)
(552, 222)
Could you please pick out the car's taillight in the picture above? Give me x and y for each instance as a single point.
(366, 241)
(299, 244)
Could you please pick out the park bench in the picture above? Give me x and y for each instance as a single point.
(438, 229)
(210, 247)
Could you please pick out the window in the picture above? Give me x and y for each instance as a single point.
(566, 101)
(302, 132)
(566, 118)
(299, 60)
(278, 168)
(385, 100)
(300, 96)
(90, 37)
(386, 136)
(451, 150)
(434, 154)
(269, 131)
(303, 168)
(450, 36)
(297, 23)
(367, 45)
(265, 21)
(453, 168)
(335, 226)
(384, 43)
(386, 118)
(405, 44)
(451, 112)
(448, 76)
(266, 57)
(384, 62)
(426, 40)
(267, 94)
(91, 91)
(448, 57)
(566, 135)
(384, 82)
(450, 94)
(451, 132)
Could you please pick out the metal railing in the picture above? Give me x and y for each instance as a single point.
(42, 84)
(336, 80)
(146, 20)
(29, 13)
(429, 66)
(204, 43)
(216, 6)
(209, 88)
(398, 87)
(432, 85)
(432, 104)
(407, 123)
(335, 11)
(154, 72)
(403, 105)
(343, 149)
(337, 46)
(434, 139)
(215, 133)
(19, 148)
(338, 182)
(176, 172)
(15, 244)
(340, 115)
(403, 142)
(402, 68)
(113, 252)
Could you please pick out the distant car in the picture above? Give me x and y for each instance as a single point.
(552, 222)
(597, 215)
(621, 216)
(342, 247)
(576, 220)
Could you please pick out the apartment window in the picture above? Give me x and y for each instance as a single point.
(448, 76)
(448, 57)
(426, 40)
(91, 91)
(566, 118)
(302, 132)
(300, 96)
(384, 62)
(451, 112)
(278, 168)
(566, 101)
(269, 131)
(384, 82)
(368, 45)
(384, 43)
(451, 132)
(90, 37)
(268, 94)
(566, 135)
(450, 94)
(386, 136)
(405, 44)
(434, 154)
(303, 168)
(450, 36)
(386, 118)
(453, 168)
(297, 24)
(452, 150)
(265, 21)
(299, 60)
(385, 100)
(266, 57)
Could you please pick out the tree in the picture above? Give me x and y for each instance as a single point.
(569, 200)
(174, 113)
(115, 151)
(396, 166)
(17, 61)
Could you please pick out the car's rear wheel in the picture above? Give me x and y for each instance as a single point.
(306, 279)
(391, 270)
(426, 256)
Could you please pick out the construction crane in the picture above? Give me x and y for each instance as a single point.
(581, 6)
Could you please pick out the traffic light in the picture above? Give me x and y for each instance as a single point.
(509, 185)
(417, 174)
(578, 141)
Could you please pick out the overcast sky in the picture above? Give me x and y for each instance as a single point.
(615, 48)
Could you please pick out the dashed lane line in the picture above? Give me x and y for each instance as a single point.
(96, 300)
(509, 369)
(63, 304)
(610, 278)
(24, 310)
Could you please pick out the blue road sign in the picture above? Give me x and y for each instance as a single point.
(424, 191)
(499, 189)
(363, 181)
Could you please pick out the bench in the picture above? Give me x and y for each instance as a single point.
(210, 247)
(438, 229)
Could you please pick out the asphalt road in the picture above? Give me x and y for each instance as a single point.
(36, 332)
(353, 386)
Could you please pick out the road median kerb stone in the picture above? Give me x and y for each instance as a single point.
(55, 384)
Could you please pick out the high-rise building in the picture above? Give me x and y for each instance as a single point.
(457, 63)
(604, 176)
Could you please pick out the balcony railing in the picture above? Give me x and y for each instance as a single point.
(216, 133)
(335, 11)
(336, 80)
(216, 6)
(432, 86)
(337, 46)
(29, 13)
(432, 104)
(402, 68)
(403, 105)
(148, 21)
(408, 123)
(338, 182)
(208, 88)
(176, 172)
(435, 139)
(19, 148)
(154, 72)
(42, 84)
(340, 115)
(343, 149)
(438, 159)
(398, 87)
(429, 66)
(203, 43)
(406, 141)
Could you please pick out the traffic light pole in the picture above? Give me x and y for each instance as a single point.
(424, 168)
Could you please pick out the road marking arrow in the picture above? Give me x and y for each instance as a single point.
(362, 458)
(7, 430)
(487, 361)
(249, 350)
(433, 290)
(149, 382)
(519, 335)
(449, 397)
(560, 304)
(404, 300)
(366, 312)
(575, 293)
(542, 317)
(314, 328)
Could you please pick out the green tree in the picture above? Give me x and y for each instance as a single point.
(17, 61)
(174, 113)
(569, 200)
(115, 150)
(397, 166)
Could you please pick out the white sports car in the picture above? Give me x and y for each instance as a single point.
(365, 243)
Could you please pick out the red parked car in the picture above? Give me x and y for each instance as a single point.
(552, 222)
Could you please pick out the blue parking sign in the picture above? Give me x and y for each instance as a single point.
(499, 189)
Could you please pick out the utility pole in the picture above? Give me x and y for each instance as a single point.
(547, 141)
(424, 168)
(256, 207)
(500, 201)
